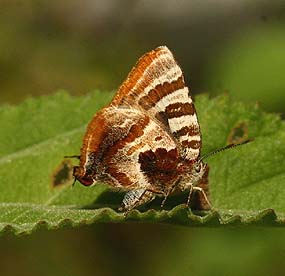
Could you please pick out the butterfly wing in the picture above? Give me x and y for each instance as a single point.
(156, 86)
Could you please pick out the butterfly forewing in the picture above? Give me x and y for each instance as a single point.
(156, 85)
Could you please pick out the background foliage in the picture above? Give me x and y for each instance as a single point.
(229, 46)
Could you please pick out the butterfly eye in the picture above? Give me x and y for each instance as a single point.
(197, 167)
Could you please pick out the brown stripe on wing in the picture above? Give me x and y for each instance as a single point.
(135, 131)
(121, 177)
(179, 109)
(160, 91)
(191, 130)
(193, 144)
(134, 148)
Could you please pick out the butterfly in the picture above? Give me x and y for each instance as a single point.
(147, 141)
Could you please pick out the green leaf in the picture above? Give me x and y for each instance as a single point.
(246, 183)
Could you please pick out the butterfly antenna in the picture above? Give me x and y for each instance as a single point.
(230, 146)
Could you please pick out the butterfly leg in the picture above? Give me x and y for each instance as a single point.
(200, 190)
(135, 198)
(189, 196)
(169, 191)
(165, 197)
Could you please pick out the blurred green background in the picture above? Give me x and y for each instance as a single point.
(226, 46)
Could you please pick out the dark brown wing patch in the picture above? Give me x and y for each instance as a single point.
(160, 166)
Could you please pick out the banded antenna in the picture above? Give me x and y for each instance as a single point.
(230, 146)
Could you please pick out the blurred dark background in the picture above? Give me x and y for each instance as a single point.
(229, 46)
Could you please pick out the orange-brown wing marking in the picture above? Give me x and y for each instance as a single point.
(96, 132)
(140, 77)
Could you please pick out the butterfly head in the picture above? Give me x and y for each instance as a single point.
(196, 172)
(193, 173)
(83, 176)
(198, 169)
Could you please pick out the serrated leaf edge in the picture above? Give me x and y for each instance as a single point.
(178, 215)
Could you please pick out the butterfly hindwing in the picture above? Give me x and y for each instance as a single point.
(127, 143)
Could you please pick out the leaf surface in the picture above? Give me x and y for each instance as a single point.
(246, 183)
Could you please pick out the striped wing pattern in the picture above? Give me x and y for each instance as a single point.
(147, 141)
(121, 135)
(156, 86)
